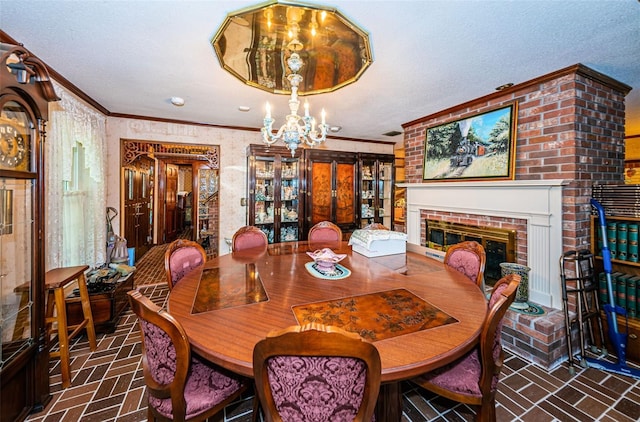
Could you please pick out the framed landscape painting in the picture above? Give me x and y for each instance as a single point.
(480, 147)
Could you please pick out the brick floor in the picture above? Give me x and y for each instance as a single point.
(107, 385)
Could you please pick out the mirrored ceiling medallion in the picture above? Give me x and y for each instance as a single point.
(254, 44)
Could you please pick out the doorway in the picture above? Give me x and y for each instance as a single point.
(169, 191)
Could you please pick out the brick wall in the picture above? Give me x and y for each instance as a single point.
(570, 125)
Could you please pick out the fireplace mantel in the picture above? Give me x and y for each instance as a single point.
(539, 202)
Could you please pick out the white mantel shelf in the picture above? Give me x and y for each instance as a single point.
(539, 202)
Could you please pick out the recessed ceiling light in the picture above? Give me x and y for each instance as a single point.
(392, 133)
(244, 108)
(505, 86)
(335, 129)
(177, 101)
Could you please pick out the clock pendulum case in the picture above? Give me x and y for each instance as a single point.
(25, 91)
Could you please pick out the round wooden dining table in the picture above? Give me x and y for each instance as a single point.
(233, 301)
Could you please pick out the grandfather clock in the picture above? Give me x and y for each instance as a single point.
(25, 91)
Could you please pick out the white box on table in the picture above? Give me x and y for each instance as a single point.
(373, 243)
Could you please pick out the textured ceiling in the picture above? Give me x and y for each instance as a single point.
(133, 56)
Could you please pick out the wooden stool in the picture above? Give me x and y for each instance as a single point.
(55, 282)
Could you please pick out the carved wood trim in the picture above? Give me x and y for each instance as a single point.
(132, 149)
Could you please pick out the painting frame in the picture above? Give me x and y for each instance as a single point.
(477, 147)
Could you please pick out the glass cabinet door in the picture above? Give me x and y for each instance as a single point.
(289, 202)
(16, 240)
(368, 192)
(376, 189)
(263, 197)
(275, 200)
(385, 193)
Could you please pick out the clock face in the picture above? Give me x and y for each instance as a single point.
(15, 145)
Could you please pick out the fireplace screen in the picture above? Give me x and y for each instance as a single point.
(499, 244)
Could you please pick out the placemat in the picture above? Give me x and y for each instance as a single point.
(229, 286)
(375, 316)
(314, 270)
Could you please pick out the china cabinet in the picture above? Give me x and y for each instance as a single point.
(275, 192)
(25, 91)
(207, 185)
(376, 189)
(332, 189)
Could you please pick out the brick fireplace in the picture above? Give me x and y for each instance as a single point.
(570, 134)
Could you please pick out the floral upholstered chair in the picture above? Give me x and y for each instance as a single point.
(181, 257)
(248, 237)
(325, 231)
(473, 379)
(316, 373)
(469, 258)
(181, 386)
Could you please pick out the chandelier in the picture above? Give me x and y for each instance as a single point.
(263, 46)
(297, 130)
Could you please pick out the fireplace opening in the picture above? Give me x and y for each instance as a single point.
(499, 244)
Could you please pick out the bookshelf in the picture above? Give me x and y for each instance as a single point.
(622, 240)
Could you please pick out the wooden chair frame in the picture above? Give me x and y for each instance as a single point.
(316, 340)
(473, 247)
(244, 230)
(173, 247)
(146, 310)
(489, 366)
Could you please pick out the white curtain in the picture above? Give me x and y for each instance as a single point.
(71, 122)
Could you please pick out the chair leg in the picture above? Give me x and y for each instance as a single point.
(255, 417)
(63, 337)
(86, 311)
(487, 411)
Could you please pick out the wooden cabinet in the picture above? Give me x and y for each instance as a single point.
(288, 195)
(332, 189)
(276, 192)
(106, 305)
(376, 189)
(622, 239)
(25, 90)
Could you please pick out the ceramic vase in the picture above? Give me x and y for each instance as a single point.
(522, 294)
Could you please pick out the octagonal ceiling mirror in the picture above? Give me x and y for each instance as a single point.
(253, 44)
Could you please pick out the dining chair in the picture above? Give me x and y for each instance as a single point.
(469, 258)
(181, 386)
(375, 226)
(248, 237)
(182, 256)
(325, 231)
(473, 379)
(303, 372)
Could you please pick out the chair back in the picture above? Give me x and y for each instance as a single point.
(375, 226)
(337, 370)
(166, 353)
(491, 353)
(181, 257)
(325, 231)
(469, 258)
(248, 237)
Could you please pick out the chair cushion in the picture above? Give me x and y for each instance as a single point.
(205, 388)
(466, 262)
(461, 376)
(316, 388)
(182, 261)
(248, 240)
(324, 234)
